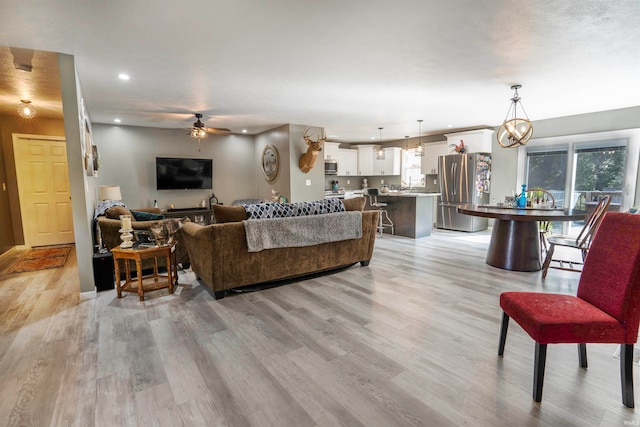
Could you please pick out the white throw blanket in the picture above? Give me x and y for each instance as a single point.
(300, 231)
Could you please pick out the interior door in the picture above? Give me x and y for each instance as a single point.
(43, 185)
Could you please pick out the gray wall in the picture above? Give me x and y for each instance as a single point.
(300, 191)
(127, 159)
(279, 138)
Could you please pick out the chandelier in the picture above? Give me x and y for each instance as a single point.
(515, 131)
(420, 148)
(26, 109)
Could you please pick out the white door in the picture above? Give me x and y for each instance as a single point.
(43, 186)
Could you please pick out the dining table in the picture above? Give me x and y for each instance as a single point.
(515, 238)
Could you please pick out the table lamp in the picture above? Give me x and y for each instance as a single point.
(109, 192)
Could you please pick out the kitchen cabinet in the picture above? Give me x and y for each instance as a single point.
(366, 156)
(347, 162)
(476, 141)
(429, 165)
(331, 150)
(391, 163)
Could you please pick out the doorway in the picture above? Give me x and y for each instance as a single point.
(43, 188)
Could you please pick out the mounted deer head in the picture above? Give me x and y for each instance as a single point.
(308, 159)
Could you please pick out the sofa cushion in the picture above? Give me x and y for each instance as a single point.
(228, 213)
(114, 212)
(283, 210)
(354, 204)
(146, 216)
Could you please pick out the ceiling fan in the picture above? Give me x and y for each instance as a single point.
(199, 130)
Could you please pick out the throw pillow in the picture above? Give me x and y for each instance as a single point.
(354, 204)
(228, 213)
(115, 212)
(146, 216)
(279, 210)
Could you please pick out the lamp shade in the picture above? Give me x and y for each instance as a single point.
(109, 192)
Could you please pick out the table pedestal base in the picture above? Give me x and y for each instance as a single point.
(515, 245)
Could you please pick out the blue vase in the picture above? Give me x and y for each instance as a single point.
(522, 200)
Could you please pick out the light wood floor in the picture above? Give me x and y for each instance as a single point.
(409, 340)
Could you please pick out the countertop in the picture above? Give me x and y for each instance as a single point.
(401, 194)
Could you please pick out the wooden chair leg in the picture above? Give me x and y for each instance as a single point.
(626, 374)
(538, 371)
(547, 260)
(582, 355)
(503, 333)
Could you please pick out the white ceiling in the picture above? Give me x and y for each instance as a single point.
(347, 66)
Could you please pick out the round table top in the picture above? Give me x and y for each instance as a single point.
(522, 214)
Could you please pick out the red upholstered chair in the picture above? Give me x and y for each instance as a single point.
(605, 310)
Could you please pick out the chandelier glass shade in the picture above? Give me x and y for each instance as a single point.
(380, 155)
(515, 131)
(26, 109)
(419, 148)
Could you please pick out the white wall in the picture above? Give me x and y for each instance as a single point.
(127, 159)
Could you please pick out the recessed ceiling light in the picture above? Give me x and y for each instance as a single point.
(373, 138)
(117, 120)
(123, 76)
(449, 126)
(244, 131)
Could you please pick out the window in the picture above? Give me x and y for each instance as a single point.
(412, 175)
(579, 169)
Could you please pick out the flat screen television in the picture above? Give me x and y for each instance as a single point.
(183, 174)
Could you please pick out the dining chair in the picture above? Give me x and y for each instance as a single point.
(605, 310)
(582, 242)
(539, 195)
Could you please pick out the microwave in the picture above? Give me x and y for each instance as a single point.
(330, 167)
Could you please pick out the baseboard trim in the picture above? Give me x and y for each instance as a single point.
(84, 296)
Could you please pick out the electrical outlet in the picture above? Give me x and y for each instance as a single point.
(435, 181)
(382, 181)
(308, 183)
(348, 181)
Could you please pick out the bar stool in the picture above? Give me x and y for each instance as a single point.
(373, 201)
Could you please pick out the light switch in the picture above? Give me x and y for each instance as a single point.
(348, 181)
(308, 183)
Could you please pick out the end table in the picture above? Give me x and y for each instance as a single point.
(156, 281)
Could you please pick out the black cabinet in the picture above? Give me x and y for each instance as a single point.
(103, 272)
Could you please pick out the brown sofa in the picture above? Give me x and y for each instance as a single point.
(220, 258)
(109, 230)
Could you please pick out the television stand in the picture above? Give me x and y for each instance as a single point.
(186, 209)
(202, 216)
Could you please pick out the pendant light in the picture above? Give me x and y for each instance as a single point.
(26, 109)
(420, 148)
(515, 131)
(380, 155)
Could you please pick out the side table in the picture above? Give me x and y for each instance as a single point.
(155, 281)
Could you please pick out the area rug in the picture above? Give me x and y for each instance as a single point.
(41, 259)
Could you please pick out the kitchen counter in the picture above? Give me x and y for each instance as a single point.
(411, 213)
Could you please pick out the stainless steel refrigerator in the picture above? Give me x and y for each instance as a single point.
(463, 179)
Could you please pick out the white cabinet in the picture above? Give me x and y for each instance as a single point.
(331, 150)
(476, 141)
(391, 163)
(347, 162)
(366, 154)
(429, 165)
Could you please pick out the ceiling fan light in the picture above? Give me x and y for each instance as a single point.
(26, 109)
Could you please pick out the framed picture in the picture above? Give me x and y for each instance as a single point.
(270, 162)
(88, 149)
(96, 158)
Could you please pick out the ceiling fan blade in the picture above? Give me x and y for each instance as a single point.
(218, 131)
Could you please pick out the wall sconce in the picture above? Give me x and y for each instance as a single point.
(515, 131)
(26, 109)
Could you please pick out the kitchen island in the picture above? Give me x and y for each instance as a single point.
(411, 213)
